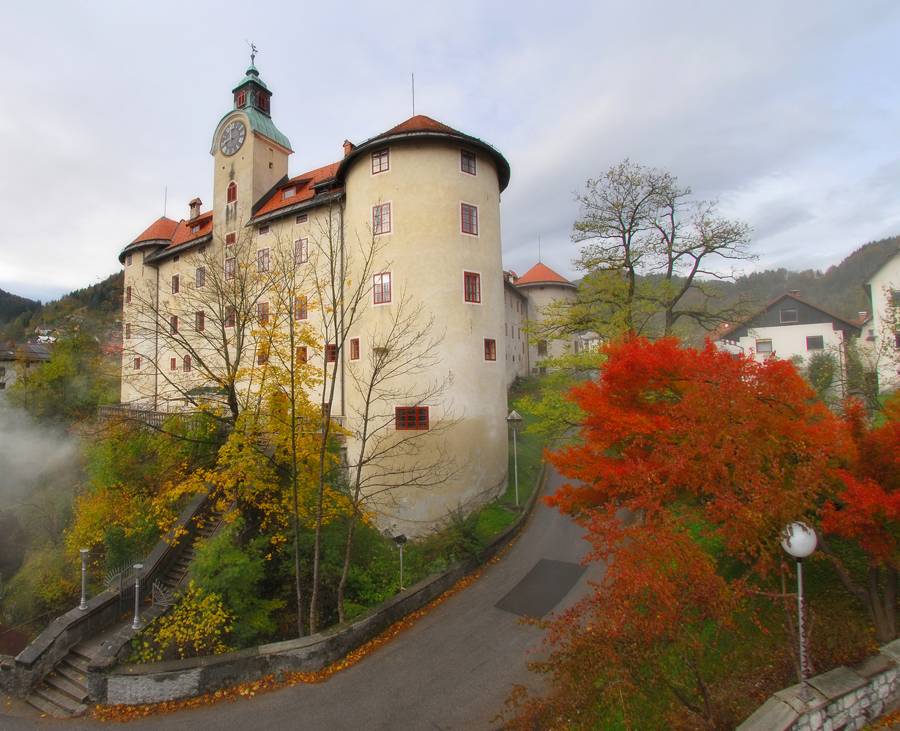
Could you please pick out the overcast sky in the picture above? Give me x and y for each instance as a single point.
(788, 113)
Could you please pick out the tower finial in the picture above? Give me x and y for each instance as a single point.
(253, 52)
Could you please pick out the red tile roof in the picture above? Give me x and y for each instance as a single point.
(541, 273)
(304, 189)
(420, 123)
(185, 230)
(162, 228)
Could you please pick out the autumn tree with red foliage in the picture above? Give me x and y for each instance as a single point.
(703, 442)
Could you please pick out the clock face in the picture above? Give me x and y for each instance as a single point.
(233, 137)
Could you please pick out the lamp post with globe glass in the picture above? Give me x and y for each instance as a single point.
(799, 540)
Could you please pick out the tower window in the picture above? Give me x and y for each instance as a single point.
(262, 100)
(381, 219)
(176, 284)
(472, 287)
(230, 317)
(127, 295)
(231, 193)
(381, 161)
(411, 418)
(467, 161)
(300, 308)
(354, 348)
(128, 260)
(173, 364)
(200, 277)
(240, 99)
(468, 219)
(301, 251)
(490, 349)
(200, 321)
(173, 323)
(381, 290)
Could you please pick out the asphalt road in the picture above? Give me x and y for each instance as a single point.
(452, 670)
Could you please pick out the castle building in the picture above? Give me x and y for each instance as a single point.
(424, 200)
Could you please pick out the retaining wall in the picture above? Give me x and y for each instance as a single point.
(843, 699)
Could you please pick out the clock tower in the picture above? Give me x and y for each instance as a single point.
(250, 155)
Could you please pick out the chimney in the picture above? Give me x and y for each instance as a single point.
(863, 315)
(195, 207)
(348, 147)
(794, 292)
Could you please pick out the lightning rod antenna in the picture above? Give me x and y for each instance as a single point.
(413, 79)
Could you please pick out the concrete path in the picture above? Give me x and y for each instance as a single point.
(452, 670)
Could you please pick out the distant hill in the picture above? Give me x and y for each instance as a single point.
(93, 309)
(12, 306)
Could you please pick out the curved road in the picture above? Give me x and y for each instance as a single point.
(452, 670)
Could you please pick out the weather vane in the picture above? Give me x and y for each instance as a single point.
(253, 52)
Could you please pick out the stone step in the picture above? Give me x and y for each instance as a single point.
(67, 670)
(79, 662)
(65, 707)
(75, 691)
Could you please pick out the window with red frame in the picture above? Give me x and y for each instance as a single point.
(200, 278)
(262, 355)
(490, 349)
(468, 219)
(301, 251)
(300, 308)
(381, 290)
(173, 323)
(381, 219)
(200, 321)
(186, 364)
(467, 161)
(229, 268)
(231, 193)
(354, 348)
(230, 317)
(240, 99)
(381, 161)
(263, 101)
(127, 295)
(411, 418)
(137, 364)
(230, 239)
(173, 364)
(302, 354)
(262, 312)
(176, 284)
(128, 331)
(262, 260)
(472, 286)
(330, 353)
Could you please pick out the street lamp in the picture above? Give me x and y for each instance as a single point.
(400, 540)
(799, 540)
(136, 623)
(514, 420)
(84, 554)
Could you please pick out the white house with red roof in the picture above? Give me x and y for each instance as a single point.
(882, 330)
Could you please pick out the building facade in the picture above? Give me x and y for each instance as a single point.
(882, 331)
(15, 360)
(416, 210)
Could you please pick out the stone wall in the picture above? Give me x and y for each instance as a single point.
(843, 699)
(176, 679)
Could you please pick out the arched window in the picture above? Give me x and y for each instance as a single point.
(186, 364)
(231, 195)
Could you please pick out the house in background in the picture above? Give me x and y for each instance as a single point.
(790, 328)
(881, 333)
(16, 359)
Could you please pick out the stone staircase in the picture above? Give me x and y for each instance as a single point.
(63, 693)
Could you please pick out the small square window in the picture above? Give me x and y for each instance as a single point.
(490, 349)
(764, 346)
(467, 161)
(411, 418)
(176, 284)
(354, 348)
(381, 161)
(469, 219)
(381, 290)
(200, 277)
(302, 354)
(301, 311)
(815, 342)
(262, 312)
(262, 260)
(381, 219)
(230, 239)
(330, 353)
(472, 287)
(302, 218)
(200, 321)
(788, 316)
(301, 251)
(263, 230)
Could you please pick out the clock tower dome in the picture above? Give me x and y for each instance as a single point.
(250, 155)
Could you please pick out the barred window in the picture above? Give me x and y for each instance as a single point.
(411, 418)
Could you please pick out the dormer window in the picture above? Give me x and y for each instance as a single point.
(195, 229)
(231, 194)
(289, 192)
